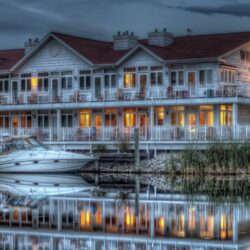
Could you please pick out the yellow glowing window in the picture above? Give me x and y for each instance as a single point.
(34, 83)
(129, 80)
(85, 120)
(85, 218)
(129, 217)
(226, 115)
(130, 120)
(223, 226)
(206, 118)
(177, 119)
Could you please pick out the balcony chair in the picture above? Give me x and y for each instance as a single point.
(33, 98)
(20, 99)
(120, 94)
(170, 92)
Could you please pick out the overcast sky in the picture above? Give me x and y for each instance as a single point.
(23, 19)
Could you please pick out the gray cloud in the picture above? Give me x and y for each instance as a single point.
(100, 19)
(236, 9)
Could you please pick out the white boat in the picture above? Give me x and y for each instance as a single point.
(27, 154)
(42, 185)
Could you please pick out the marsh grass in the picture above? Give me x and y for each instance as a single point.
(219, 158)
(218, 190)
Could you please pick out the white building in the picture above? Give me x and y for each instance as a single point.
(80, 92)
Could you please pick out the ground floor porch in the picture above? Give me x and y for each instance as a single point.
(168, 124)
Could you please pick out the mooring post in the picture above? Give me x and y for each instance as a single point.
(137, 151)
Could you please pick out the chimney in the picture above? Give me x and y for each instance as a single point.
(124, 41)
(30, 44)
(160, 38)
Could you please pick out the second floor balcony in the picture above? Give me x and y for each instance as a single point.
(52, 95)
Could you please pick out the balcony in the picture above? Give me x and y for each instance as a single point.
(218, 90)
(165, 133)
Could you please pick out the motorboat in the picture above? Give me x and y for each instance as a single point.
(42, 185)
(27, 154)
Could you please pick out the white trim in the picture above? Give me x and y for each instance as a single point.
(41, 45)
(234, 50)
(131, 52)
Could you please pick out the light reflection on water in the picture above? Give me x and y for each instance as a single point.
(123, 212)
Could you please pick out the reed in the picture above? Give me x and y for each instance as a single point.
(218, 158)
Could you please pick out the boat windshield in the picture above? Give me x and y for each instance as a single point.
(19, 143)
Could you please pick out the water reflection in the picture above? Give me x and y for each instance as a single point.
(128, 214)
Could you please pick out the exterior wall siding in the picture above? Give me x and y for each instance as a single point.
(53, 56)
(243, 66)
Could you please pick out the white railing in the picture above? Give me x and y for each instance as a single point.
(156, 133)
(185, 91)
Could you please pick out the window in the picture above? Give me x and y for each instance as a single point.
(67, 120)
(159, 116)
(67, 82)
(226, 115)
(129, 80)
(205, 77)
(4, 86)
(227, 75)
(130, 119)
(43, 84)
(206, 115)
(177, 117)
(177, 77)
(156, 78)
(26, 85)
(4, 119)
(85, 119)
(110, 81)
(26, 119)
(245, 55)
(110, 120)
(43, 120)
(85, 82)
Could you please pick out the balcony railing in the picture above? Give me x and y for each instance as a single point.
(156, 133)
(216, 90)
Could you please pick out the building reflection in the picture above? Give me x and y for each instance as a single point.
(86, 220)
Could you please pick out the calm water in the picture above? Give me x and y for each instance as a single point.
(124, 212)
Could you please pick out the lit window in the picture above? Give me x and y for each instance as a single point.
(130, 119)
(159, 116)
(226, 115)
(85, 119)
(129, 80)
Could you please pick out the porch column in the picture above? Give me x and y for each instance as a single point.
(151, 116)
(59, 125)
(217, 121)
(235, 120)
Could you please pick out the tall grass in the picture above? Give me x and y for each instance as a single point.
(218, 157)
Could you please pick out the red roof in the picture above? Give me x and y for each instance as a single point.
(9, 58)
(202, 46)
(98, 52)
(101, 52)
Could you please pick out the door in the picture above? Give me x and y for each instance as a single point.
(191, 83)
(143, 124)
(55, 131)
(143, 84)
(97, 130)
(14, 91)
(55, 89)
(192, 124)
(98, 88)
(15, 123)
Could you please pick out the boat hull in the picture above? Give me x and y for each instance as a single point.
(43, 162)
